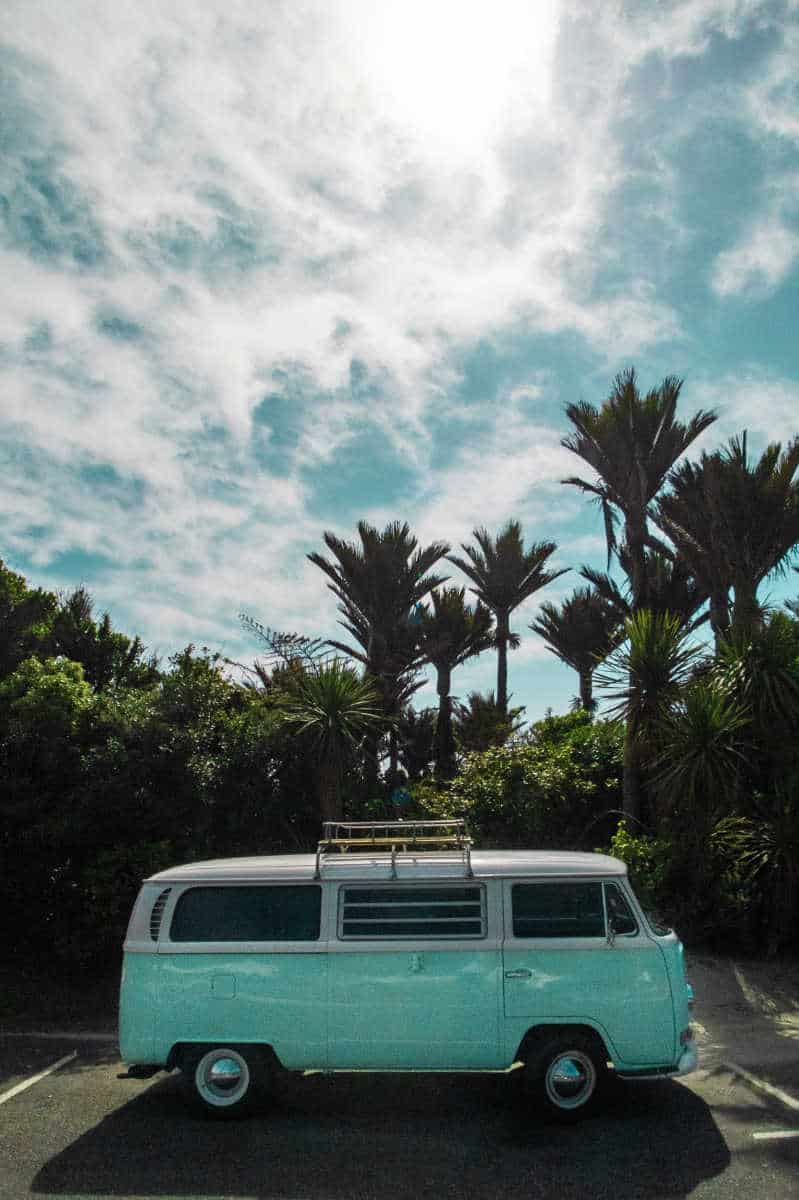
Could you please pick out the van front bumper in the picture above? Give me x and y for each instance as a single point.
(689, 1059)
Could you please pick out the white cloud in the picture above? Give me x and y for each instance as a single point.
(768, 249)
(772, 98)
(759, 263)
(282, 112)
(512, 469)
(767, 406)
(268, 200)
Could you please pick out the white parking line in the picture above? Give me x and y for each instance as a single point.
(26, 1083)
(762, 1085)
(776, 1134)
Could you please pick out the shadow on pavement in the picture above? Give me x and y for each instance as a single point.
(396, 1136)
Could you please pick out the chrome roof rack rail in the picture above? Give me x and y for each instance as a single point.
(393, 840)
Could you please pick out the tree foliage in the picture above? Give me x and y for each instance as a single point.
(505, 574)
(581, 632)
(113, 766)
(543, 791)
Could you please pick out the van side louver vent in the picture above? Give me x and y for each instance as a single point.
(157, 913)
(453, 911)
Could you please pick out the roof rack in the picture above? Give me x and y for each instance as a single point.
(393, 839)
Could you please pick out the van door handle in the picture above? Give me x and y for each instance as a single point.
(521, 973)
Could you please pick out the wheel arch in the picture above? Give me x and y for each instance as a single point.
(537, 1035)
(181, 1050)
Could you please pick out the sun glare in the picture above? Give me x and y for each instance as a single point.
(456, 72)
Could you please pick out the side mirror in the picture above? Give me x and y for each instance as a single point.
(620, 925)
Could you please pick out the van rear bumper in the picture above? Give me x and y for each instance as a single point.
(688, 1062)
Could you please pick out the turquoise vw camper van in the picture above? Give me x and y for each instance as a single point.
(397, 948)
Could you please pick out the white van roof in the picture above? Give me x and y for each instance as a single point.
(485, 864)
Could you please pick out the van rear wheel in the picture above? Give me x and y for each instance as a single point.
(222, 1081)
(565, 1076)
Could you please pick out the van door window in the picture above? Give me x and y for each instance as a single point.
(624, 923)
(248, 914)
(558, 910)
(406, 912)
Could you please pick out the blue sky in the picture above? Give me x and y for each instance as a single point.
(272, 268)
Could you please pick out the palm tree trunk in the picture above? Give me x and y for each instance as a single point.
(329, 784)
(502, 634)
(719, 615)
(393, 753)
(371, 765)
(747, 616)
(587, 689)
(635, 533)
(631, 778)
(445, 740)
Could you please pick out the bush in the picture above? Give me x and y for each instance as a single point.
(693, 889)
(108, 889)
(548, 790)
(648, 862)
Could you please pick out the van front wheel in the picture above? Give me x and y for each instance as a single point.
(565, 1076)
(221, 1081)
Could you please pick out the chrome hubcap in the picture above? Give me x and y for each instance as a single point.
(222, 1077)
(570, 1079)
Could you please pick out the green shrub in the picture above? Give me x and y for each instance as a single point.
(648, 862)
(549, 790)
(102, 900)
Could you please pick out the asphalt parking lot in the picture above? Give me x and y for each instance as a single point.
(80, 1132)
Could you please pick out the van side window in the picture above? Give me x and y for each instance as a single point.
(248, 914)
(405, 912)
(558, 910)
(619, 910)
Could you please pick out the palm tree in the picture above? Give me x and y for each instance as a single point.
(645, 678)
(760, 672)
(330, 705)
(448, 636)
(735, 524)
(505, 575)
(683, 515)
(416, 735)
(379, 583)
(480, 723)
(697, 768)
(581, 632)
(647, 673)
(701, 751)
(764, 849)
(671, 588)
(631, 442)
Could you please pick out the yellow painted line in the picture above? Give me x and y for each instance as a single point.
(27, 1083)
(776, 1135)
(762, 1085)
